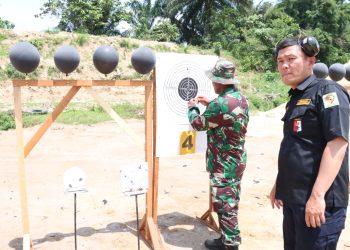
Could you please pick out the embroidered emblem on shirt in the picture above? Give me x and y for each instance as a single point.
(303, 102)
(330, 100)
(297, 125)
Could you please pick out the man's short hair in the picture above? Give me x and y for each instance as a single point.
(287, 43)
(308, 44)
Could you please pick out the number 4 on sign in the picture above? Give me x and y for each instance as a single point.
(188, 142)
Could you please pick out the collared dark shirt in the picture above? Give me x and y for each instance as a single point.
(318, 112)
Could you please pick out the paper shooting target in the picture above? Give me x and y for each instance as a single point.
(184, 81)
(179, 78)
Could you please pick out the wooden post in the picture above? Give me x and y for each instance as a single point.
(155, 158)
(208, 218)
(27, 244)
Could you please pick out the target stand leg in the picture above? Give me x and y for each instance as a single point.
(27, 243)
(137, 223)
(75, 221)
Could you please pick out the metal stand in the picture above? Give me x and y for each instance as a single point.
(75, 221)
(137, 224)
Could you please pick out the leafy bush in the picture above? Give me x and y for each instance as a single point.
(6, 121)
(2, 37)
(11, 73)
(53, 72)
(81, 39)
(165, 31)
(217, 48)
(38, 43)
(125, 43)
(4, 24)
(265, 91)
(4, 50)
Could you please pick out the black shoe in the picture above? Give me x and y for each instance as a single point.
(215, 244)
(231, 248)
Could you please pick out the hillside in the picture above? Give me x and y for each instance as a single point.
(264, 90)
(47, 43)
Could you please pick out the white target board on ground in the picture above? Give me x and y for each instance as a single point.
(180, 77)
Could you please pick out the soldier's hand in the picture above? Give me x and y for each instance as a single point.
(192, 102)
(203, 100)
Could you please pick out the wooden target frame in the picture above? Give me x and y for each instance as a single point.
(148, 228)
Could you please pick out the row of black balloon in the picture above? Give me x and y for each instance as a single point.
(336, 71)
(25, 57)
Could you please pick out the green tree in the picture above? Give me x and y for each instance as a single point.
(97, 17)
(252, 38)
(4, 24)
(165, 31)
(329, 15)
(143, 15)
(328, 21)
(193, 17)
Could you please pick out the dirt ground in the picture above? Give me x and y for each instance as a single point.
(106, 218)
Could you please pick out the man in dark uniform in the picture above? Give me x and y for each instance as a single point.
(313, 173)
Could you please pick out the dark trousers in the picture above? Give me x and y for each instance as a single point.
(297, 236)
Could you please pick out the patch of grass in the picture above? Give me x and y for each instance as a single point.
(95, 114)
(12, 73)
(91, 115)
(128, 111)
(52, 31)
(38, 43)
(53, 72)
(81, 39)
(3, 37)
(161, 48)
(125, 43)
(4, 50)
(57, 40)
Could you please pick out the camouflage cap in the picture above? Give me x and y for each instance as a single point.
(223, 72)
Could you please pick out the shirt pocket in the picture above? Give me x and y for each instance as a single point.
(303, 121)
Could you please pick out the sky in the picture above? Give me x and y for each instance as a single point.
(21, 14)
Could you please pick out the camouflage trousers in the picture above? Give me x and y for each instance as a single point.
(225, 198)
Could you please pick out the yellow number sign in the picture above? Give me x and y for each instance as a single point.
(188, 142)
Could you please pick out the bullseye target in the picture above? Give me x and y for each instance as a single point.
(180, 77)
(188, 89)
(184, 81)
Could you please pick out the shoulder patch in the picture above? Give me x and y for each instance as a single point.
(330, 100)
(303, 102)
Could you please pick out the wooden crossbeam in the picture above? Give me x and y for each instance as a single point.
(81, 83)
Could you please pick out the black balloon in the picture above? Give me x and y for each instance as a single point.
(320, 70)
(105, 59)
(66, 59)
(25, 57)
(347, 72)
(336, 71)
(143, 60)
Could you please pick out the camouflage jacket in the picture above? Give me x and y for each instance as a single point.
(225, 119)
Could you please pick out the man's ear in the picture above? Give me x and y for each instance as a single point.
(311, 60)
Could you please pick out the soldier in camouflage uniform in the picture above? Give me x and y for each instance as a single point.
(225, 120)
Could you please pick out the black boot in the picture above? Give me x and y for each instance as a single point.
(215, 244)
